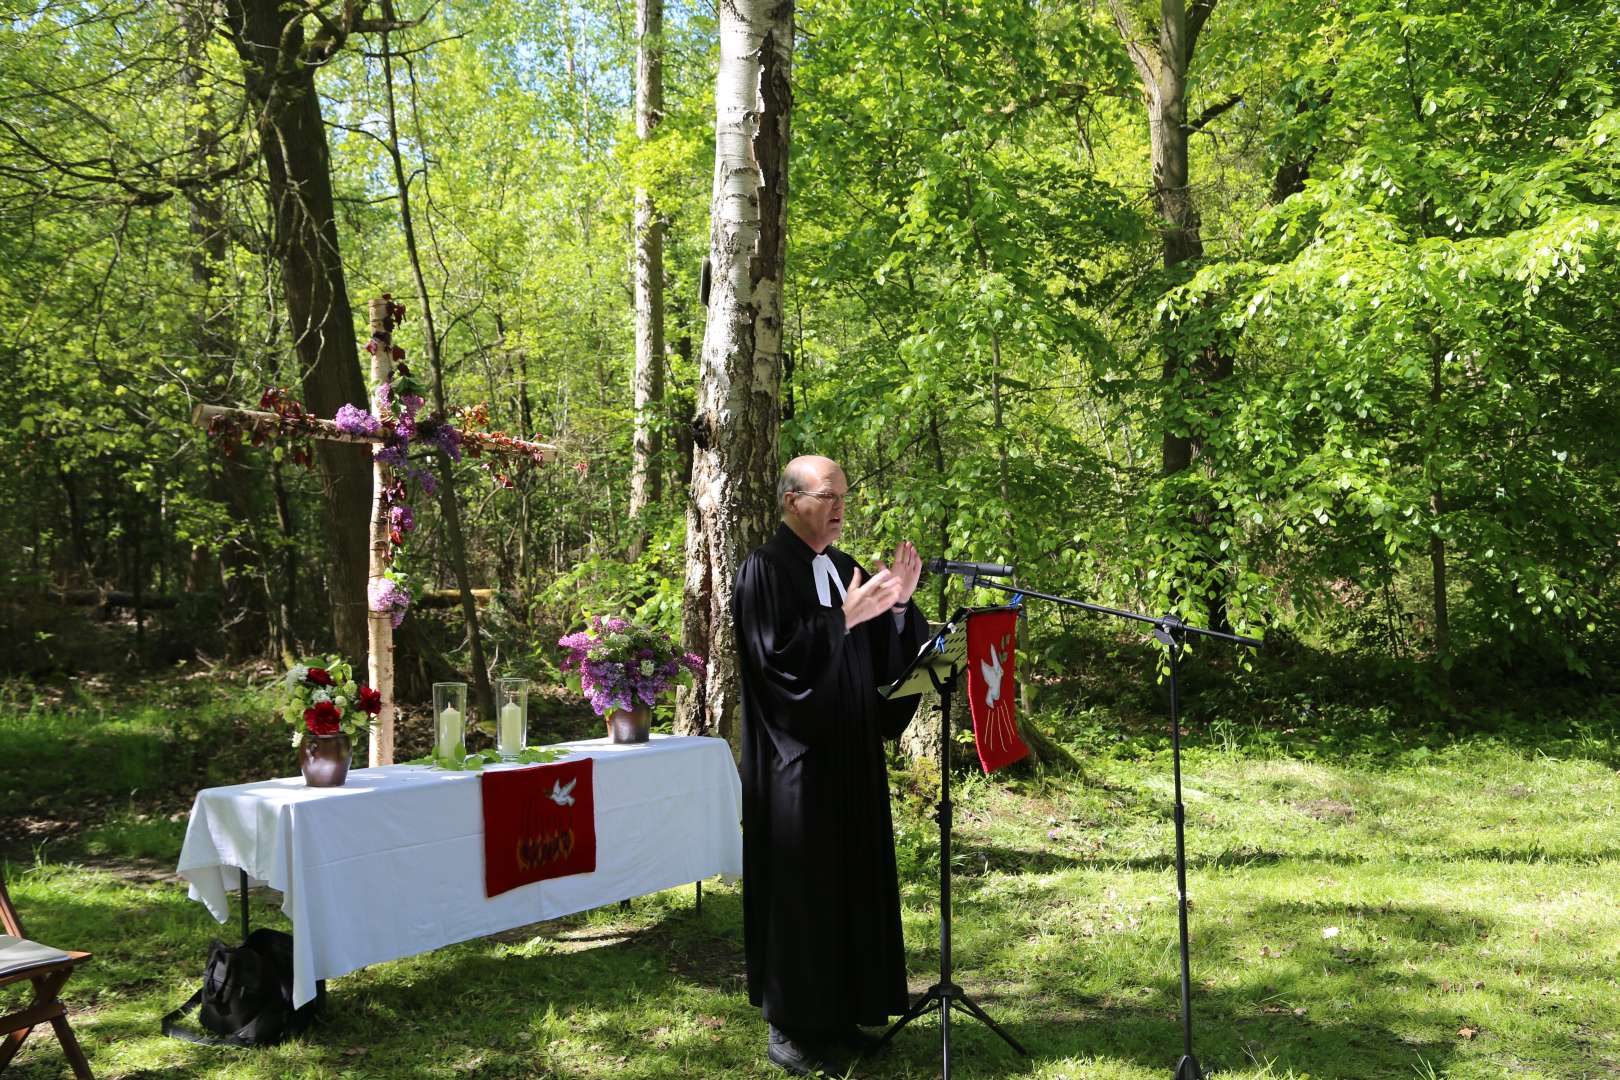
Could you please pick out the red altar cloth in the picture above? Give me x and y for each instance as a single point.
(538, 823)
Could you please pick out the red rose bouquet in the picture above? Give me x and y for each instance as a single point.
(320, 697)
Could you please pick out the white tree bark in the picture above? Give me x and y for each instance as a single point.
(379, 624)
(645, 485)
(735, 431)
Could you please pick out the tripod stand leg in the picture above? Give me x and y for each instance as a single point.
(918, 1007)
(1187, 1069)
(972, 1008)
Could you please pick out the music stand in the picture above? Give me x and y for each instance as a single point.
(936, 666)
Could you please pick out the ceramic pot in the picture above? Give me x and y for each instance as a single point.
(629, 725)
(324, 759)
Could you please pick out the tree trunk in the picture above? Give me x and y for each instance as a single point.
(1295, 169)
(280, 83)
(1437, 543)
(83, 558)
(380, 624)
(735, 431)
(449, 506)
(284, 640)
(646, 478)
(1162, 60)
(1163, 67)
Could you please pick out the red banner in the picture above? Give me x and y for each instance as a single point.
(538, 823)
(992, 643)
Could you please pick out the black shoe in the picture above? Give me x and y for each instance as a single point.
(802, 1057)
(860, 1042)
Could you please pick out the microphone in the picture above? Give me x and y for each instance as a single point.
(971, 569)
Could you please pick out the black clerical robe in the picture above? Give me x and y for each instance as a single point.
(821, 899)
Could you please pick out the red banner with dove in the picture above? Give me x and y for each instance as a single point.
(992, 644)
(538, 823)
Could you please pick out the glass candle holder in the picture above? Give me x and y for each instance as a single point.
(512, 730)
(450, 720)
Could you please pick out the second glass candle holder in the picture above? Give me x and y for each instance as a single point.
(512, 732)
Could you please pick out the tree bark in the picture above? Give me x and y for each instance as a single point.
(1437, 543)
(380, 624)
(1162, 66)
(83, 558)
(1162, 59)
(283, 631)
(280, 82)
(646, 476)
(735, 432)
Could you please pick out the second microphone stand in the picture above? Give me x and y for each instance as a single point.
(1173, 633)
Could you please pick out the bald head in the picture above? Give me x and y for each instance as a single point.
(804, 473)
(811, 494)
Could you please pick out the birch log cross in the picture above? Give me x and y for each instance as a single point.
(380, 627)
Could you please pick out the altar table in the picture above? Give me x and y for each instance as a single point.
(392, 863)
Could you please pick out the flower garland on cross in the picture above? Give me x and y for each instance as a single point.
(392, 429)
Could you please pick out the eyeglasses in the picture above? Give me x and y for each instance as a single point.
(834, 497)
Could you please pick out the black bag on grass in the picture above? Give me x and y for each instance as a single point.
(246, 995)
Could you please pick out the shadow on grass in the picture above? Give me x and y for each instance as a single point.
(975, 860)
(1230, 1032)
(1391, 1024)
(531, 1001)
(660, 993)
(1241, 858)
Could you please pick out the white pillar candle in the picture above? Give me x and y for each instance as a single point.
(511, 728)
(449, 732)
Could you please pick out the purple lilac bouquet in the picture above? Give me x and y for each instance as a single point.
(390, 596)
(620, 664)
(356, 421)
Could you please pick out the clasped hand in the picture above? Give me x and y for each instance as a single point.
(889, 587)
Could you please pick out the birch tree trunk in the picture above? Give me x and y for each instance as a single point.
(380, 624)
(645, 475)
(735, 431)
(278, 69)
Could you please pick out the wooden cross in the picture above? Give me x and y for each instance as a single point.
(379, 624)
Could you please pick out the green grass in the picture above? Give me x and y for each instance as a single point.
(1365, 903)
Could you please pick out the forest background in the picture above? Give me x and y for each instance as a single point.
(1295, 318)
(1351, 386)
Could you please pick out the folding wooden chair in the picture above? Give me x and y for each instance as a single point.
(47, 969)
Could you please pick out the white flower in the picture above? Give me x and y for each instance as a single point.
(647, 667)
(318, 695)
(297, 675)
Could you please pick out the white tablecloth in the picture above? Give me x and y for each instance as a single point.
(392, 863)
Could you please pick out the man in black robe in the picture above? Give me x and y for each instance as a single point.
(821, 899)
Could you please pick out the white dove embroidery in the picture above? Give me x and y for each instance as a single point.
(992, 678)
(563, 794)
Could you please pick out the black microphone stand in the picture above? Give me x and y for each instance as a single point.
(945, 993)
(1173, 633)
